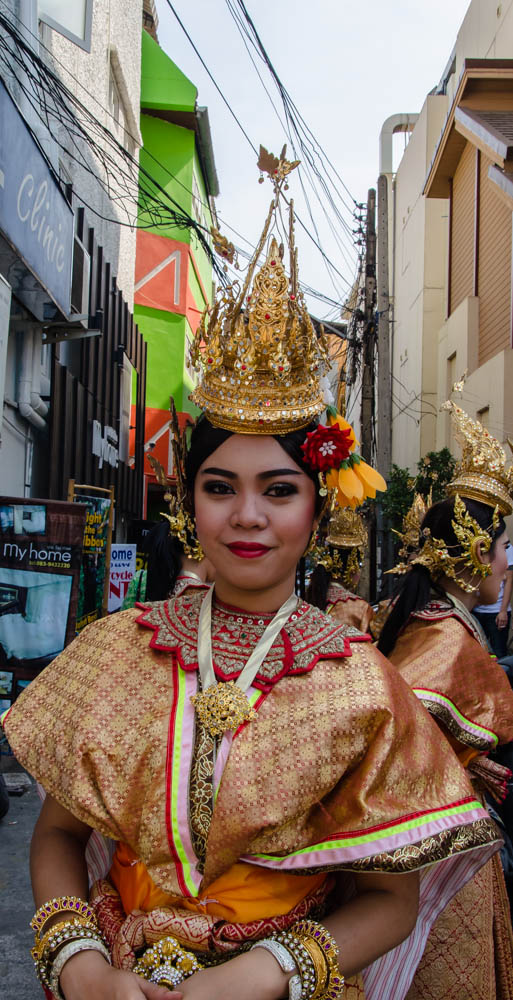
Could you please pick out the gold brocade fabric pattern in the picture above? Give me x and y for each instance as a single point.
(344, 747)
(437, 652)
(201, 794)
(308, 634)
(348, 608)
(458, 961)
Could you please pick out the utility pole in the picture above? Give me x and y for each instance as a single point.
(369, 335)
(368, 579)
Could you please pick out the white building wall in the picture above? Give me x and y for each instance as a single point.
(430, 353)
(418, 292)
(115, 52)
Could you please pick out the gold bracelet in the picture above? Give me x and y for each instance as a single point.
(334, 988)
(46, 950)
(316, 953)
(41, 944)
(61, 904)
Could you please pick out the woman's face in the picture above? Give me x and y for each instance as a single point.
(254, 512)
(489, 587)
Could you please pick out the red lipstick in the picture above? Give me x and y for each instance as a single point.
(248, 550)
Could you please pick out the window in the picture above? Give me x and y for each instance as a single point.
(127, 376)
(483, 416)
(73, 20)
(115, 102)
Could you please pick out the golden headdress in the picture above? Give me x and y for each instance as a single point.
(258, 356)
(473, 540)
(481, 474)
(410, 535)
(346, 529)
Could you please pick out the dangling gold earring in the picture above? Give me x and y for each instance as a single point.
(191, 545)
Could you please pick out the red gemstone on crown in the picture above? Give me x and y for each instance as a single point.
(267, 316)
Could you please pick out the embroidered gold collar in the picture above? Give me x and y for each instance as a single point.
(308, 636)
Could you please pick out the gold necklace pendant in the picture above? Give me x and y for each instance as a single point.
(221, 707)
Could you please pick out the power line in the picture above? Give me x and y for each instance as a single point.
(253, 147)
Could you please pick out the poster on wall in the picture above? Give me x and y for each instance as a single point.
(94, 559)
(122, 569)
(40, 554)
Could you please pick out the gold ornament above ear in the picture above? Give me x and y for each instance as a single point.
(180, 521)
(436, 558)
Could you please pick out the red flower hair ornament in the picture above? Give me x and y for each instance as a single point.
(330, 451)
(327, 447)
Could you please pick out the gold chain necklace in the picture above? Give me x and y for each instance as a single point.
(225, 706)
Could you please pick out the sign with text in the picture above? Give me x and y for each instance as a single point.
(122, 569)
(34, 214)
(40, 554)
(94, 559)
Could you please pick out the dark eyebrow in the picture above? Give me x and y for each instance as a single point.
(219, 472)
(272, 474)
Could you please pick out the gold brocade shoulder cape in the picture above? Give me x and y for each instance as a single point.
(348, 608)
(341, 769)
(440, 656)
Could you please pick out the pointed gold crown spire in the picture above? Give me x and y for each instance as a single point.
(412, 520)
(256, 352)
(346, 529)
(481, 474)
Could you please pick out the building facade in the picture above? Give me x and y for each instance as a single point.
(449, 246)
(72, 363)
(173, 278)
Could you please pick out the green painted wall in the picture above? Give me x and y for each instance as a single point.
(164, 333)
(163, 85)
(169, 155)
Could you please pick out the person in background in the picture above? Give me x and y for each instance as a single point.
(337, 570)
(439, 648)
(495, 618)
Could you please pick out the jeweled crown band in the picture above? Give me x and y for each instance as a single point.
(481, 474)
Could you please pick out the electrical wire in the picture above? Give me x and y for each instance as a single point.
(313, 239)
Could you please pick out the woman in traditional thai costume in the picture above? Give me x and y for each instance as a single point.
(338, 557)
(257, 770)
(439, 648)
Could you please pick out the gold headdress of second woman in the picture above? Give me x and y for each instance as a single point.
(345, 531)
(261, 365)
(480, 475)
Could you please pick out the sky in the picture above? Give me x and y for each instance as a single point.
(348, 65)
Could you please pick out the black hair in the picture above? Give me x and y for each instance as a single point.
(206, 438)
(320, 581)
(165, 556)
(414, 592)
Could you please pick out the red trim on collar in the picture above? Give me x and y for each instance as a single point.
(309, 636)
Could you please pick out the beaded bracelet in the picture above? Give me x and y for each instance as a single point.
(286, 962)
(44, 954)
(70, 949)
(61, 904)
(303, 960)
(42, 943)
(319, 935)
